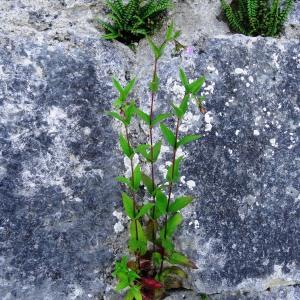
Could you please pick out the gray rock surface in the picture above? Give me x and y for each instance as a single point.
(61, 224)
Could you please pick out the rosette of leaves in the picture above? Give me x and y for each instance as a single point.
(154, 265)
(257, 17)
(133, 21)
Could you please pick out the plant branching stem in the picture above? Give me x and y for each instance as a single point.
(170, 190)
(133, 195)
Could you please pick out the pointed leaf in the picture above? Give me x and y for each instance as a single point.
(183, 78)
(129, 87)
(184, 104)
(171, 226)
(156, 150)
(128, 205)
(118, 86)
(154, 84)
(156, 258)
(148, 183)
(115, 115)
(168, 134)
(143, 116)
(195, 86)
(188, 139)
(155, 48)
(173, 170)
(180, 203)
(178, 112)
(137, 175)
(127, 150)
(161, 203)
(179, 259)
(145, 209)
(161, 117)
(124, 180)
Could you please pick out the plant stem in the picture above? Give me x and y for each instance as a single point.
(170, 189)
(133, 195)
(151, 149)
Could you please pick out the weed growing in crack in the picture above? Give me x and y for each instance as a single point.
(257, 17)
(155, 265)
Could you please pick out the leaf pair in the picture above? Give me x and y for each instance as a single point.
(145, 151)
(191, 88)
(124, 92)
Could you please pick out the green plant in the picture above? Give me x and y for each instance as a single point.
(257, 17)
(133, 21)
(155, 263)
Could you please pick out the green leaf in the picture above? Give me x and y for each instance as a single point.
(155, 49)
(161, 204)
(188, 139)
(183, 78)
(180, 203)
(127, 150)
(179, 259)
(145, 209)
(167, 245)
(172, 277)
(128, 205)
(133, 293)
(160, 118)
(129, 111)
(156, 258)
(143, 150)
(137, 177)
(137, 233)
(154, 84)
(156, 151)
(143, 116)
(178, 112)
(115, 115)
(124, 180)
(176, 35)
(118, 86)
(122, 285)
(168, 134)
(110, 36)
(171, 226)
(169, 33)
(129, 87)
(195, 86)
(184, 104)
(173, 170)
(147, 181)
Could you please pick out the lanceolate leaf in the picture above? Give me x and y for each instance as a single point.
(173, 171)
(183, 78)
(143, 116)
(143, 150)
(116, 116)
(195, 86)
(156, 150)
(184, 104)
(179, 113)
(137, 175)
(188, 139)
(128, 205)
(160, 204)
(168, 134)
(147, 181)
(179, 259)
(145, 209)
(159, 118)
(127, 150)
(137, 231)
(171, 226)
(180, 203)
(124, 180)
(155, 49)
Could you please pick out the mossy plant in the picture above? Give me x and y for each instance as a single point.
(154, 265)
(133, 21)
(257, 17)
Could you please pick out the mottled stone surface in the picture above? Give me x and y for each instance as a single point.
(61, 224)
(57, 163)
(242, 230)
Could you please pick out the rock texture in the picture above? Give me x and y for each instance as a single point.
(61, 224)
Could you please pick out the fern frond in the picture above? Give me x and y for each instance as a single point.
(234, 21)
(131, 10)
(252, 6)
(283, 15)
